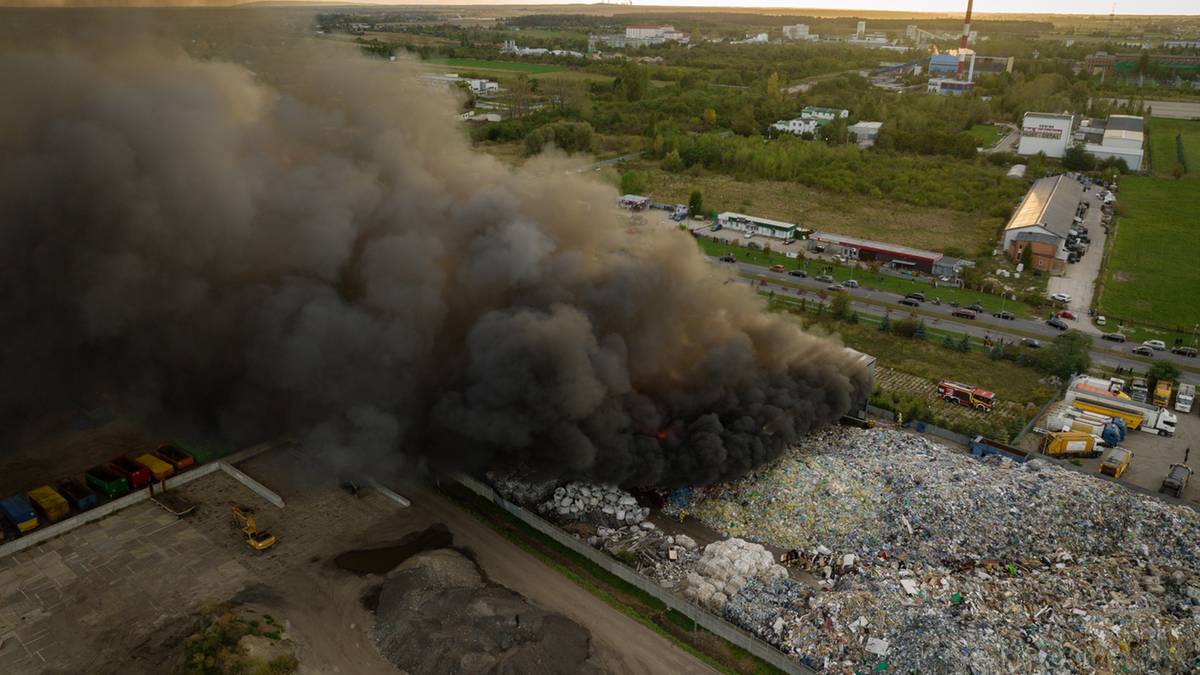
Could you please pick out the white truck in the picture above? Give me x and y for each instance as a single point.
(1085, 395)
(1183, 398)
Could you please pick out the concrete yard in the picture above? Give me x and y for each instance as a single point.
(121, 594)
(1079, 281)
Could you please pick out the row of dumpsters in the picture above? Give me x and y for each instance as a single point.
(115, 478)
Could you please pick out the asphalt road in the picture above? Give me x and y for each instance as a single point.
(939, 316)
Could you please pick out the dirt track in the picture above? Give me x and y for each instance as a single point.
(621, 644)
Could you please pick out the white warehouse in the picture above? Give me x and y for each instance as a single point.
(776, 229)
(1047, 133)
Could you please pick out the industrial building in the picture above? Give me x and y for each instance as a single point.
(823, 115)
(799, 32)
(640, 36)
(754, 225)
(893, 255)
(1048, 133)
(949, 87)
(865, 132)
(1123, 139)
(946, 64)
(798, 126)
(1042, 222)
(1125, 65)
(478, 86)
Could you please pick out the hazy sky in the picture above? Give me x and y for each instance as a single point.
(986, 6)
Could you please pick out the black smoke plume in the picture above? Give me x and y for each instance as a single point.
(325, 255)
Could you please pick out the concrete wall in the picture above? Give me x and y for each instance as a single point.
(700, 616)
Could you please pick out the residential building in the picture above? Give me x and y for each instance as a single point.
(1042, 222)
(1181, 44)
(865, 132)
(776, 229)
(824, 115)
(798, 126)
(1048, 133)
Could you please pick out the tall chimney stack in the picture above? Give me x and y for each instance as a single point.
(962, 42)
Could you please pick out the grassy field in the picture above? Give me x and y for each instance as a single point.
(486, 64)
(882, 282)
(986, 135)
(927, 228)
(1162, 145)
(1152, 276)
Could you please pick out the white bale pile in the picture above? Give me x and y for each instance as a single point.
(725, 568)
(599, 504)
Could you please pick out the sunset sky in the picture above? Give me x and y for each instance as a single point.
(1101, 7)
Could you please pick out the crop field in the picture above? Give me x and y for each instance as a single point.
(487, 64)
(1164, 154)
(885, 220)
(1152, 276)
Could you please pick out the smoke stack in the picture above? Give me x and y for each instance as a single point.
(962, 42)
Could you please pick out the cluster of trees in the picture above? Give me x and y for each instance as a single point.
(939, 182)
(570, 137)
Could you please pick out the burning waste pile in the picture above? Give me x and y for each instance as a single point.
(596, 504)
(930, 560)
(310, 249)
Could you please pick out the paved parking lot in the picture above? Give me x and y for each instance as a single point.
(1080, 279)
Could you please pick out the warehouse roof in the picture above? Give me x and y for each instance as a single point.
(879, 246)
(1124, 123)
(1049, 204)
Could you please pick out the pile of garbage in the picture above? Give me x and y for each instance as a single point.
(521, 486)
(725, 568)
(598, 504)
(662, 557)
(928, 559)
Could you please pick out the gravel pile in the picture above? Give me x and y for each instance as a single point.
(958, 565)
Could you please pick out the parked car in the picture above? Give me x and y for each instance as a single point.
(975, 307)
(1100, 320)
(1060, 297)
(1113, 337)
(850, 283)
(777, 268)
(799, 273)
(919, 297)
(1066, 315)
(964, 313)
(836, 287)
(1143, 350)
(1031, 343)
(1189, 352)
(1056, 322)
(728, 259)
(1156, 345)
(1006, 315)
(824, 278)
(910, 302)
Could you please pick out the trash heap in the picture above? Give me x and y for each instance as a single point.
(597, 504)
(928, 559)
(521, 487)
(665, 558)
(725, 568)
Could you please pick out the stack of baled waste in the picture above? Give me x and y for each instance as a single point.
(598, 504)
(725, 568)
(521, 487)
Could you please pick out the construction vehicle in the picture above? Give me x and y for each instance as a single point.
(1162, 393)
(965, 394)
(1176, 480)
(243, 519)
(981, 447)
(19, 513)
(1070, 444)
(1184, 398)
(1117, 461)
(49, 503)
(1085, 396)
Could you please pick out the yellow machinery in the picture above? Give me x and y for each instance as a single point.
(243, 518)
(1117, 461)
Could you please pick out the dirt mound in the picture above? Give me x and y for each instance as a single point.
(437, 614)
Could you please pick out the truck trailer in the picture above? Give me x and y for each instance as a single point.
(1184, 397)
(1070, 444)
(1148, 418)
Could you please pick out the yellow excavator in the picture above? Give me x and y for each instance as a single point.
(243, 519)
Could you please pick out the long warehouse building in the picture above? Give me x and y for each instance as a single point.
(1042, 222)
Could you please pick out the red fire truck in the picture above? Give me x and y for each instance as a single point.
(965, 394)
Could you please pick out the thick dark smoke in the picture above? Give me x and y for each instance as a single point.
(327, 256)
